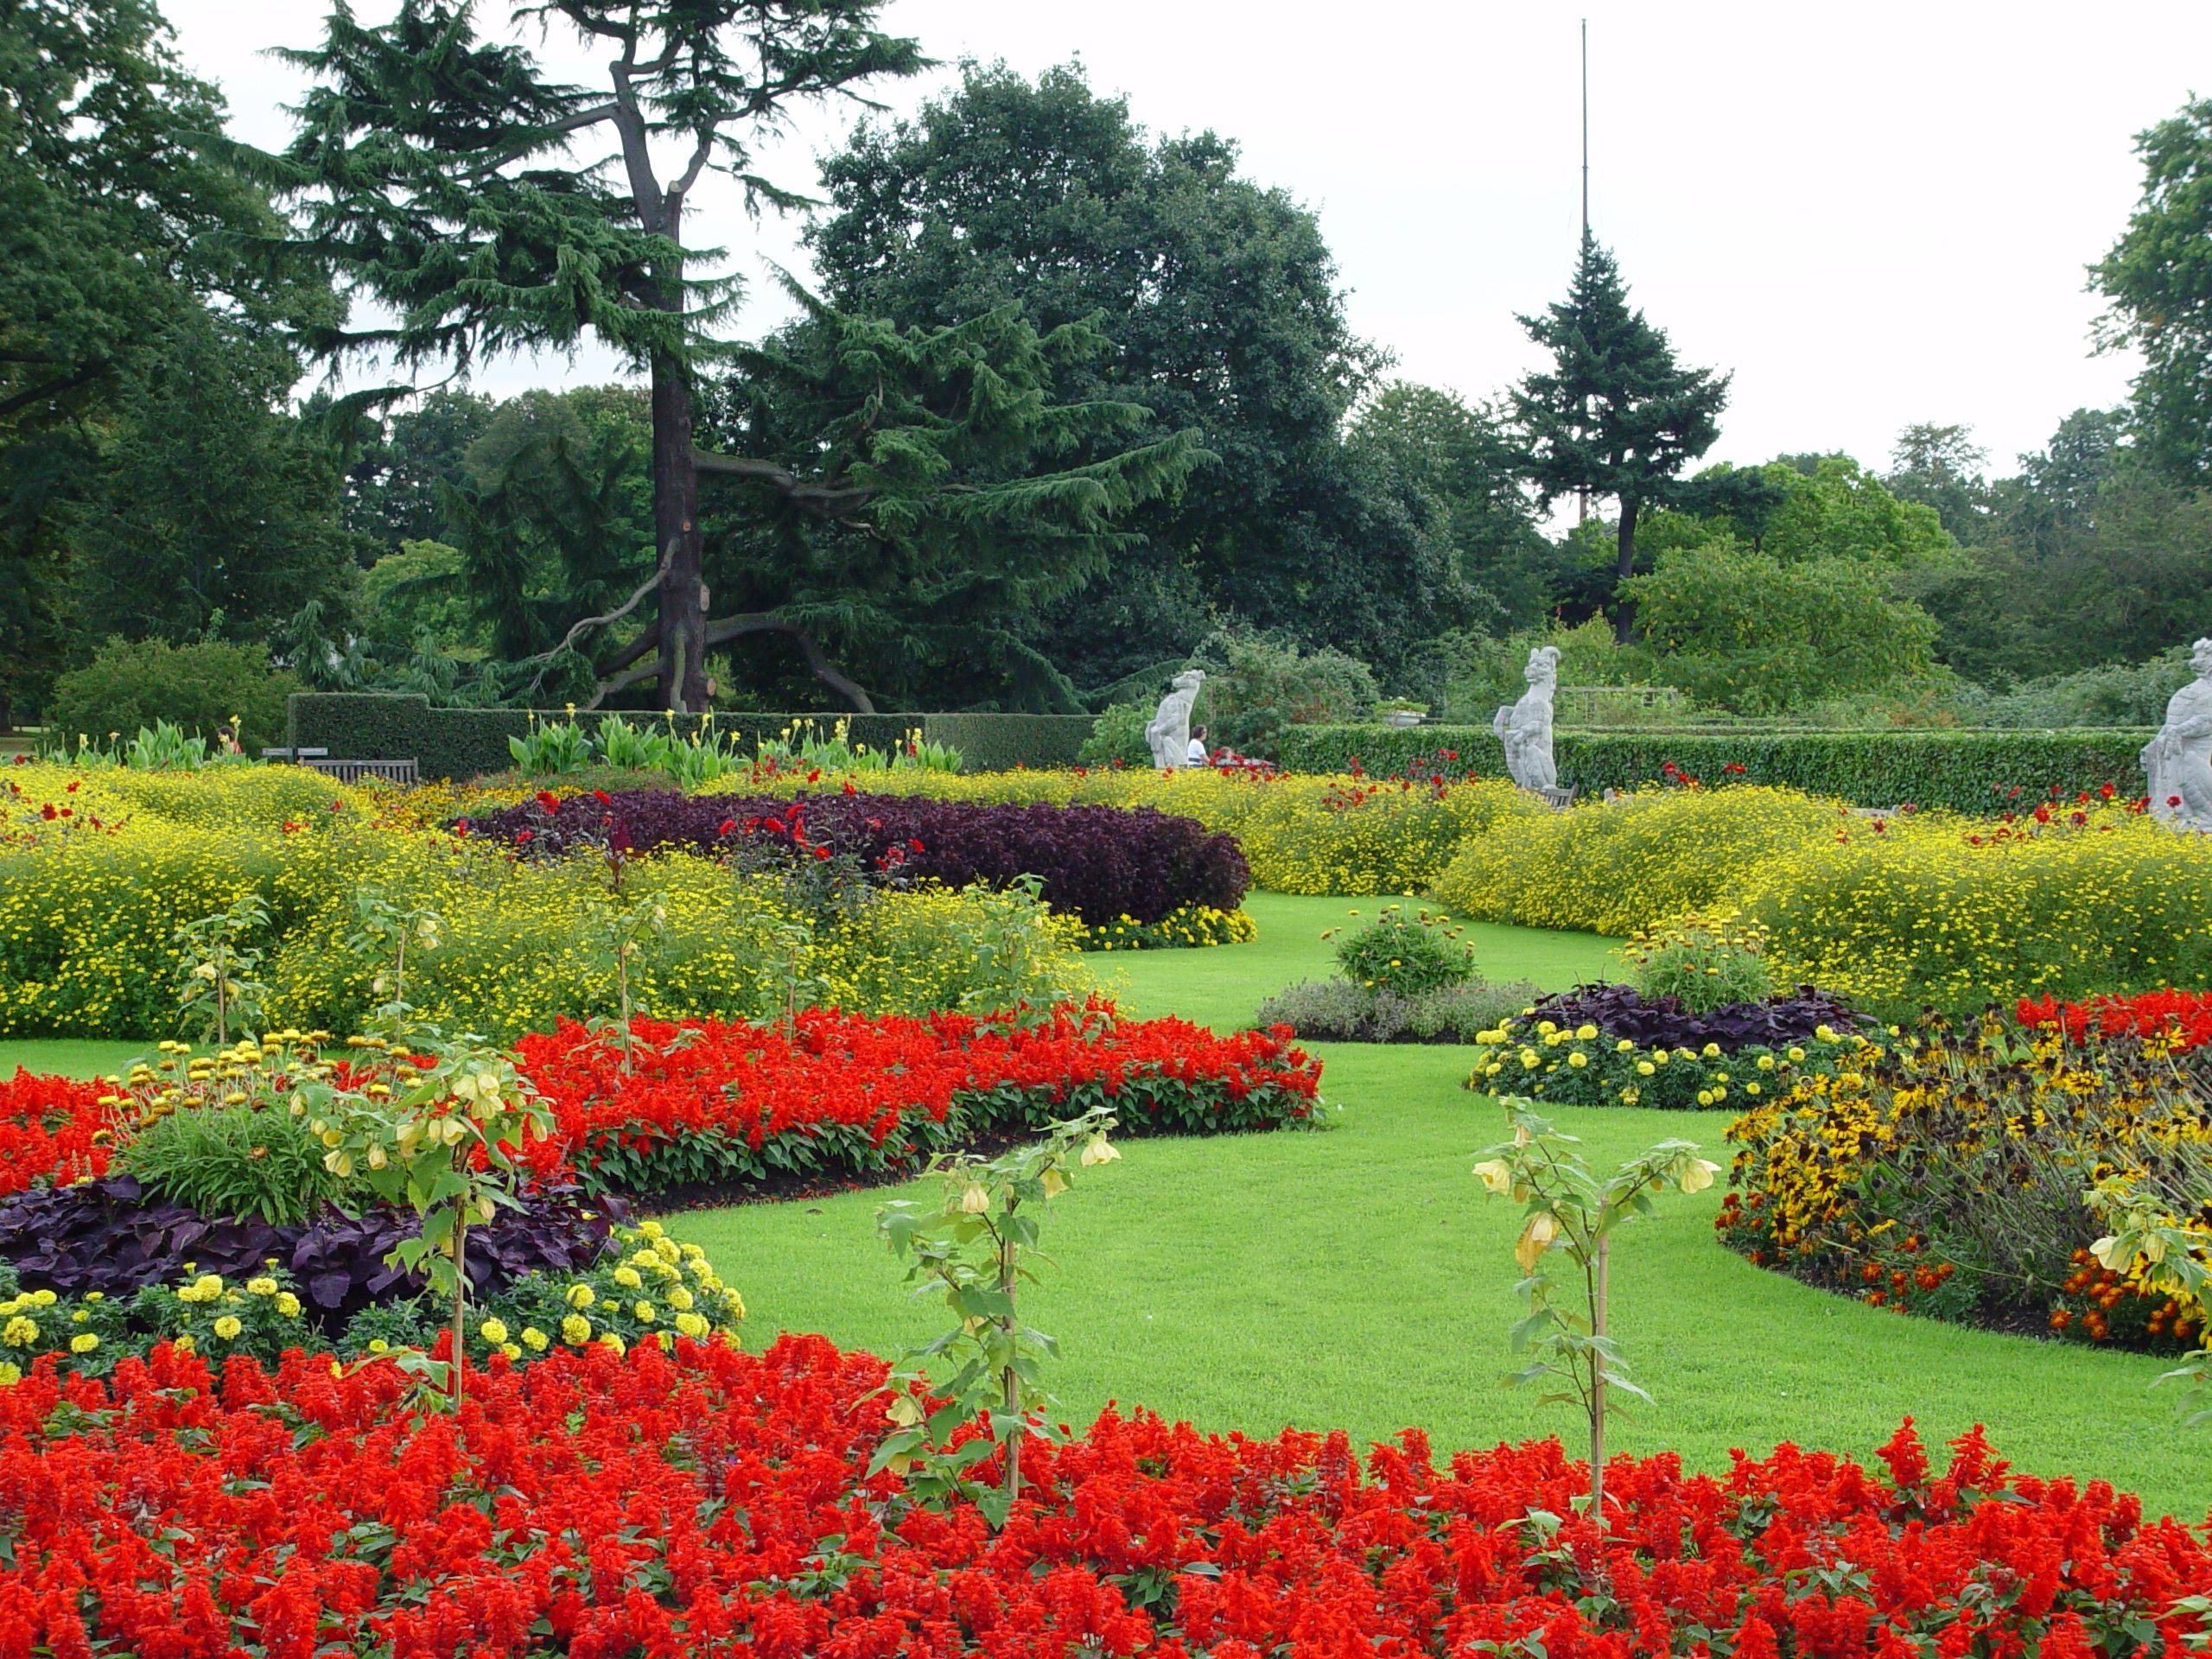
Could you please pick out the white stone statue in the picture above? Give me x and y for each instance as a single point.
(2178, 760)
(1169, 734)
(1526, 727)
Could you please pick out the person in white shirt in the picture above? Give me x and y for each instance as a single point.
(1199, 755)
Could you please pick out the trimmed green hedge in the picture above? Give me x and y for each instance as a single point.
(1970, 771)
(462, 742)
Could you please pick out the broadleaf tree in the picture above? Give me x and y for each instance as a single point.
(485, 204)
(2157, 278)
(1617, 415)
(149, 475)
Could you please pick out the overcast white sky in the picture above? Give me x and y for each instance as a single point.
(1871, 216)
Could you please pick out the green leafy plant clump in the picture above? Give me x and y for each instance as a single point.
(245, 1160)
(1406, 954)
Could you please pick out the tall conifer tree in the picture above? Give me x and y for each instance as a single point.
(1618, 414)
(451, 179)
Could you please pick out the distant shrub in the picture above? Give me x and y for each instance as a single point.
(1406, 953)
(1118, 737)
(197, 686)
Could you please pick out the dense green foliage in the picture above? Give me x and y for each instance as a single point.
(1222, 303)
(149, 482)
(1969, 771)
(2158, 278)
(198, 686)
(464, 742)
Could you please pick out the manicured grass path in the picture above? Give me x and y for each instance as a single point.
(1358, 1278)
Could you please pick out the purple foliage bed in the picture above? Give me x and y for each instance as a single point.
(1100, 863)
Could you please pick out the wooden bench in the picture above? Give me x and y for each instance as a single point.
(352, 772)
(1560, 800)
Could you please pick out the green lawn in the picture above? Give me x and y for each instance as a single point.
(1358, 1278)
(73, 1056)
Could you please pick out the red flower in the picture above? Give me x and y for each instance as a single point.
(599, 795)
(549, 800)
(524, 837)
(48, 812)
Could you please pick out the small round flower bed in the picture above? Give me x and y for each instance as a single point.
(1109, 866)
(49, 1125)
(1973, 1175)
(711, 1501)
(1604, 1044)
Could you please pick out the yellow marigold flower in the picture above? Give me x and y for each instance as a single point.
(627, 1278)
(83, 1343)
(533, 1338)
(576, 1330)
(493, 1331)
(20, 1331)
(645, 1311)
(262, 1287)
(288, 1305)
(228, 1327)
(581, 1296)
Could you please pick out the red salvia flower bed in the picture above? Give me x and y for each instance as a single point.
(47, 1126)
(714, 1502)
(2186, 1016)
(832, 1095)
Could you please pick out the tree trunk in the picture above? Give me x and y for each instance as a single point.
(675, 531)
(1624, 607)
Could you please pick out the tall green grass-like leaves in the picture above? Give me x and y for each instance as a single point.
(234, 1162)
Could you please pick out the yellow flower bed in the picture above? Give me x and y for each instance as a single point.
(1893, 913)
(1952, 1177)
(87, 920)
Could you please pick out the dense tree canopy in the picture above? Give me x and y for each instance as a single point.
(150, 481)
(2158, 279)
(1220, 302)
(489, 205)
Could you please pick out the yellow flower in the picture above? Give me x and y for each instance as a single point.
(288, 1305)
(83, 1343)
(534, 1340)
(645, 1311)
(228, 1327)
(262, 1287)
(576, 1330)
(493, 1331)
(581, 1296)
(20, 1331)
(1496, 1176)
(1535, 1238)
